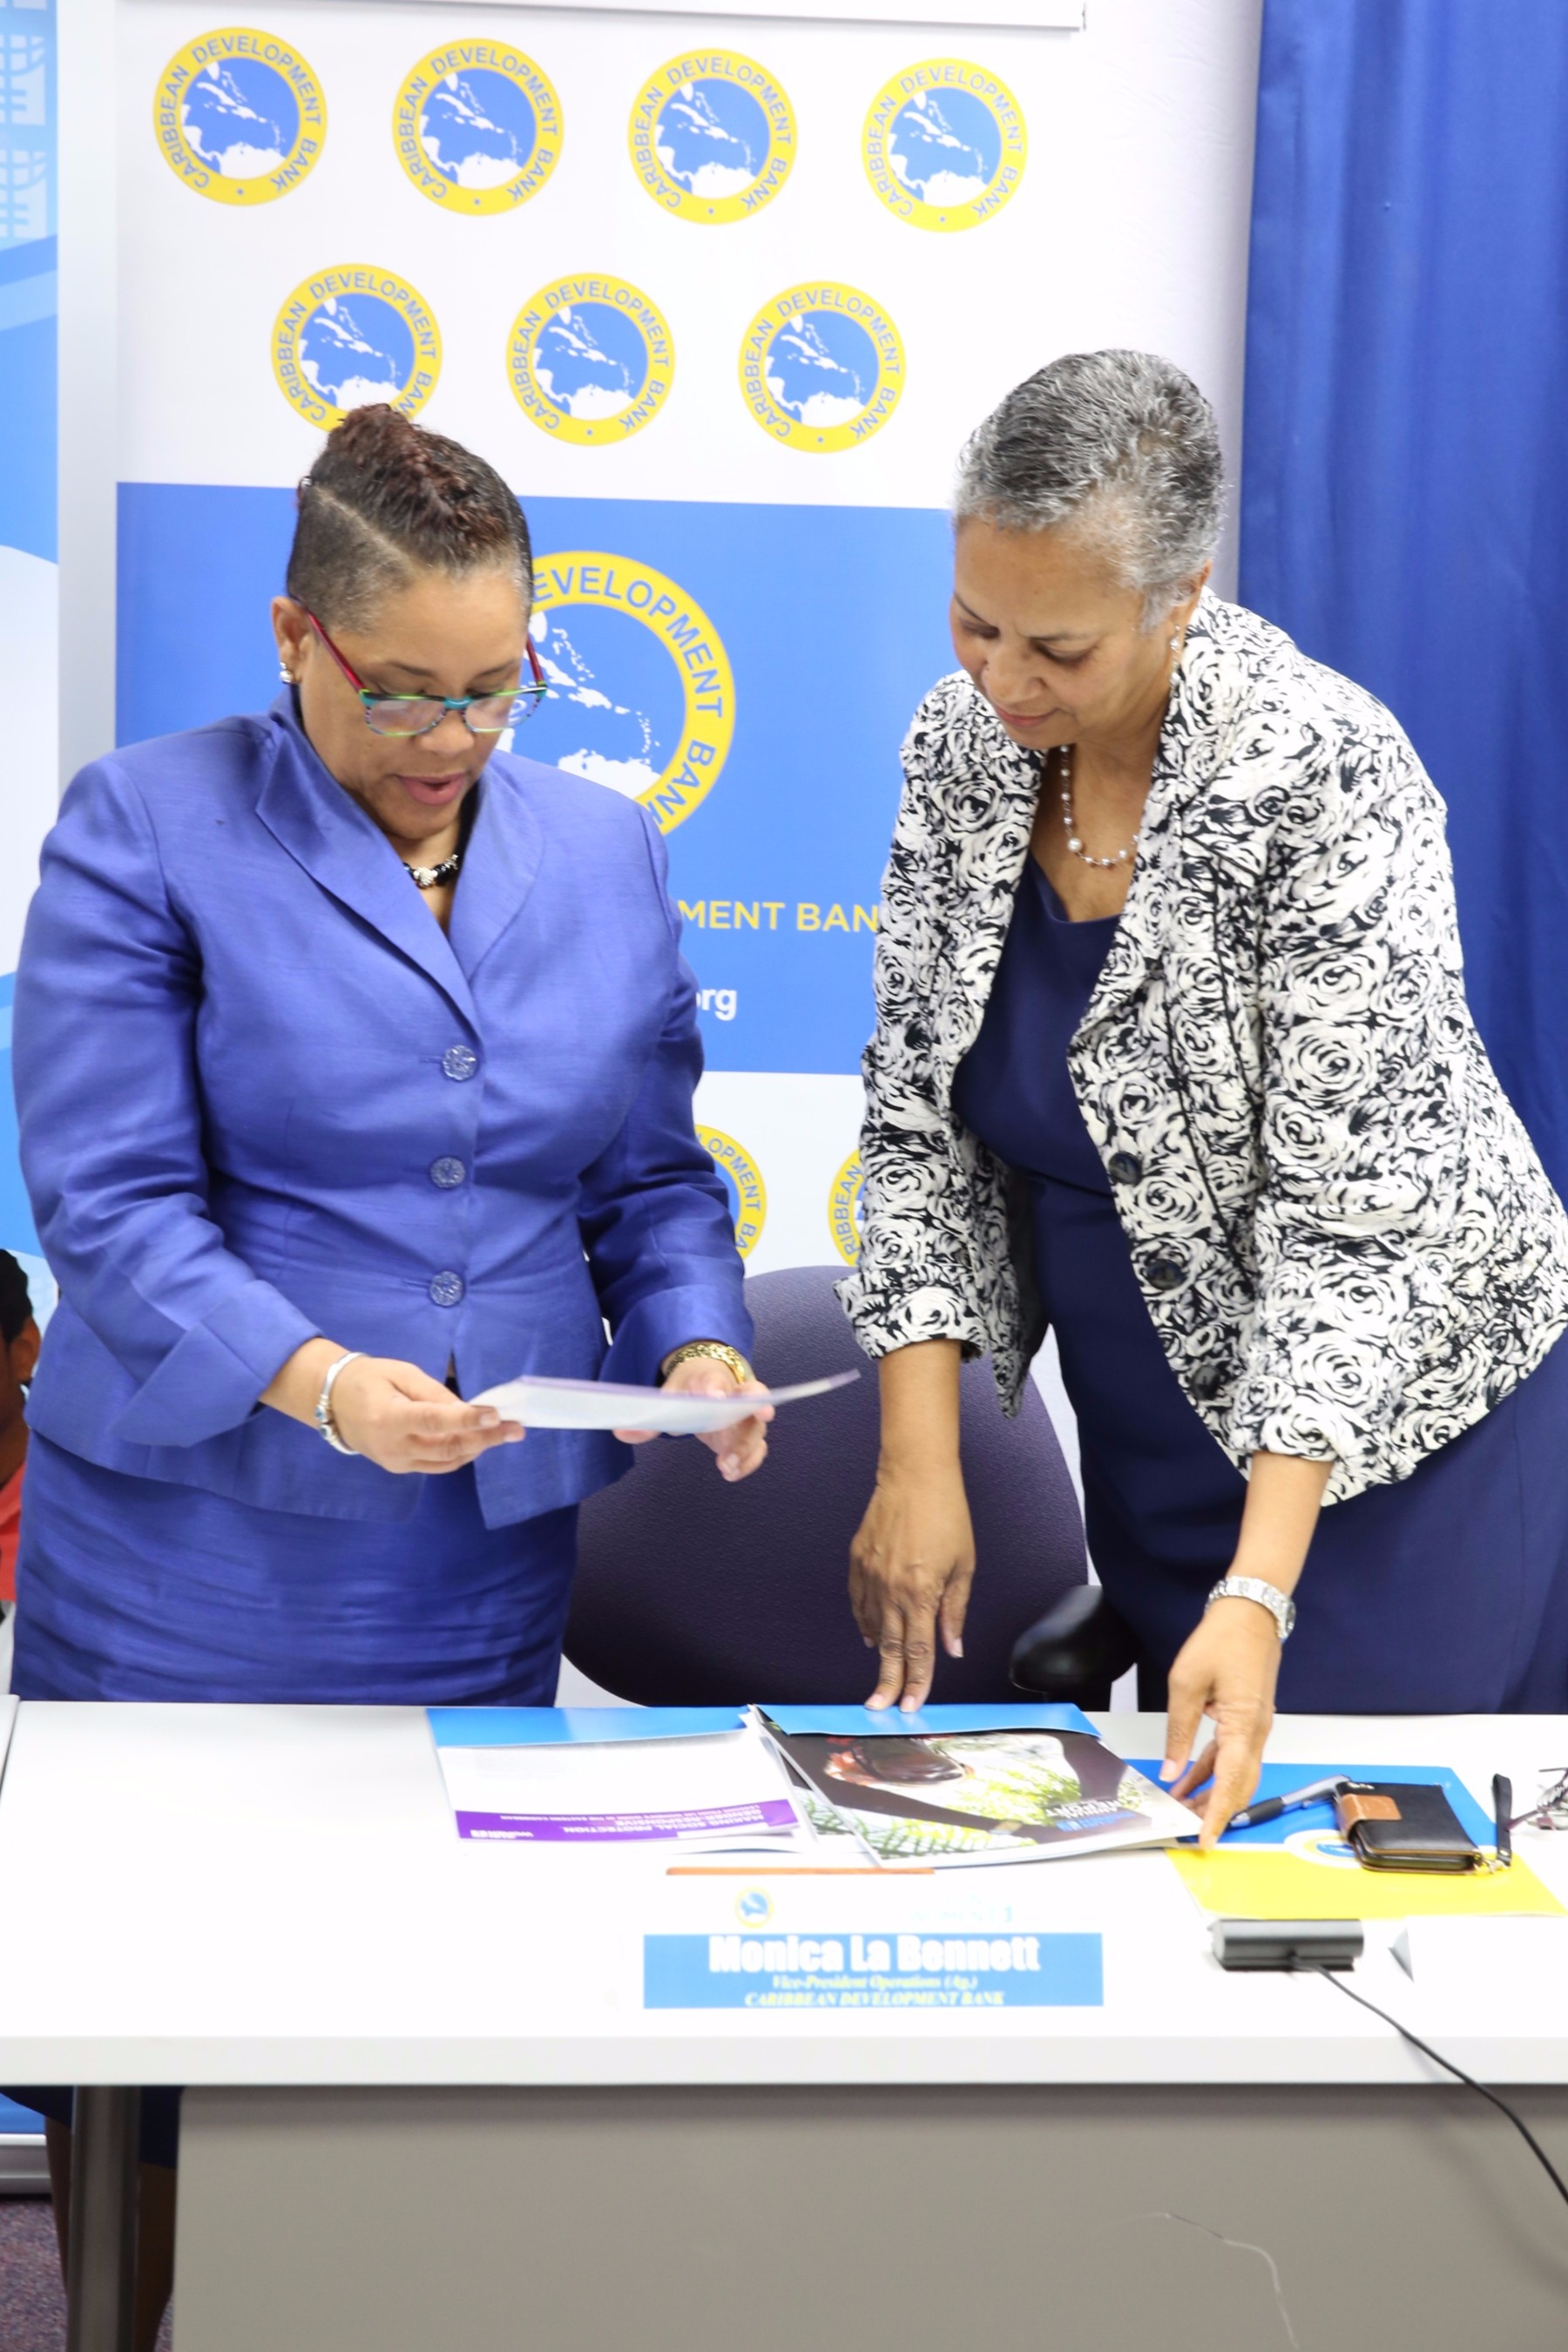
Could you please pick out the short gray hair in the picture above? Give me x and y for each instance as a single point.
(1121, 443)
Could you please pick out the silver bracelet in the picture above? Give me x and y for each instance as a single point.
(1280, 1607)
(324, 1421)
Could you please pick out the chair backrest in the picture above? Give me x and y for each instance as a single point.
(692, 1593)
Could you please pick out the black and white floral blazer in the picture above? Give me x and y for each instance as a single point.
(1347, 1244)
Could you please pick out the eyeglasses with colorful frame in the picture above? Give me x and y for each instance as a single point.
(416, 714)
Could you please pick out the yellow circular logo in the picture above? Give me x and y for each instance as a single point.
(822, 367)
(350, 336)
(944, 144)
(590, 359)
(478, 127)
(712, 136)
(748, 1194)
(239, 116)
(641, 696)
(844, 1209)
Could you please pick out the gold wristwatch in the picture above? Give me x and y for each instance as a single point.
(729, 1357)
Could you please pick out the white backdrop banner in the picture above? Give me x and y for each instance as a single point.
(721, 300)
(30, 579)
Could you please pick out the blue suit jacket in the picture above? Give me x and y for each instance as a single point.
(262, 1096)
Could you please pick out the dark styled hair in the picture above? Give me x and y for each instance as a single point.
(386, 499)
(16, 1298)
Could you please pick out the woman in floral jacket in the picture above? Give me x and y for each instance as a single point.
(1173, 1055)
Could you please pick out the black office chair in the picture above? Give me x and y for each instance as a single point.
(690, 1592)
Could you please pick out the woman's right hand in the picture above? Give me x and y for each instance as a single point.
(391, 1412)
(910, 1567)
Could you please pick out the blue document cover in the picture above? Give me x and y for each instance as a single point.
(559, 1727)
(1278, 1780)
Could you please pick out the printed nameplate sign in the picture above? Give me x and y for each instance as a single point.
(872, 1971)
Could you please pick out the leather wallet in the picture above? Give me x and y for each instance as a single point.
(1403, 1825)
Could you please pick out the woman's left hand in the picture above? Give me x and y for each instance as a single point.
(743, 1447)
(1226, 1669)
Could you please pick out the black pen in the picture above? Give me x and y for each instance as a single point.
(1502, 1809)
(1271, 1809)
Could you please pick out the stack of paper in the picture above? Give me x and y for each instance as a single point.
(689, 1777)
(539, 1402)
(957, 1785)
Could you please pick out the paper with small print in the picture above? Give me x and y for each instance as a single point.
(716, 1791)
(540, 1403)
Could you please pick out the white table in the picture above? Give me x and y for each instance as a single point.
(426, 2105)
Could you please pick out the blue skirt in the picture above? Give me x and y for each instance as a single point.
(136, 1589)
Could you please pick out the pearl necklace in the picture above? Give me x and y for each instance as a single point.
(1074, 844)
(430, 877)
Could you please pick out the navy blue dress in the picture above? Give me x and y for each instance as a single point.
(1445, 1592)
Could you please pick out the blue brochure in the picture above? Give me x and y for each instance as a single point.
(558, 1727)
(1278, 1780)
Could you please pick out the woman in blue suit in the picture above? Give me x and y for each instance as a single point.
(354, 1061)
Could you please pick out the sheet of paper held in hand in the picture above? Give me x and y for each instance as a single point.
(540, 1403)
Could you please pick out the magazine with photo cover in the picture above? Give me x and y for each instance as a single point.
(959, 1797)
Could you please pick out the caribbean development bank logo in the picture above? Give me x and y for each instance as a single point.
(352, 335)
(822, 367)
(641, 698)
(844, 1209)
(712, 136)
(478, 127)
(944, 144)
(590, 359)
(239, 116)
(748, 1194)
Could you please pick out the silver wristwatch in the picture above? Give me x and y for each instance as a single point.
(323, 1415)
(1280, 1607)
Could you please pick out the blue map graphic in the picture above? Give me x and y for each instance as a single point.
(822, 371)
(616, 707)
(945, 150)
(358, 351)
(590, 359)
(711, 138)
(477, 129)
(240, 118)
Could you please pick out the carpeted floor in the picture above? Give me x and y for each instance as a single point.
(32, 2302)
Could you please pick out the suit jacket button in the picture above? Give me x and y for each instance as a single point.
(447, 1289)
(459, 1061)
(447, 1173)
(1164, 1274)
(1124, 1168)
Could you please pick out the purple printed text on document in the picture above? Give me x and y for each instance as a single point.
(566, 1828)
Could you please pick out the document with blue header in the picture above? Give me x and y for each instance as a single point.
(613, 1776)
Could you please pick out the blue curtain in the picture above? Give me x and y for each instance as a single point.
(1405, 499)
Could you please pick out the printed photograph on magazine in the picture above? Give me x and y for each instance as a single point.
(972, 1797)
